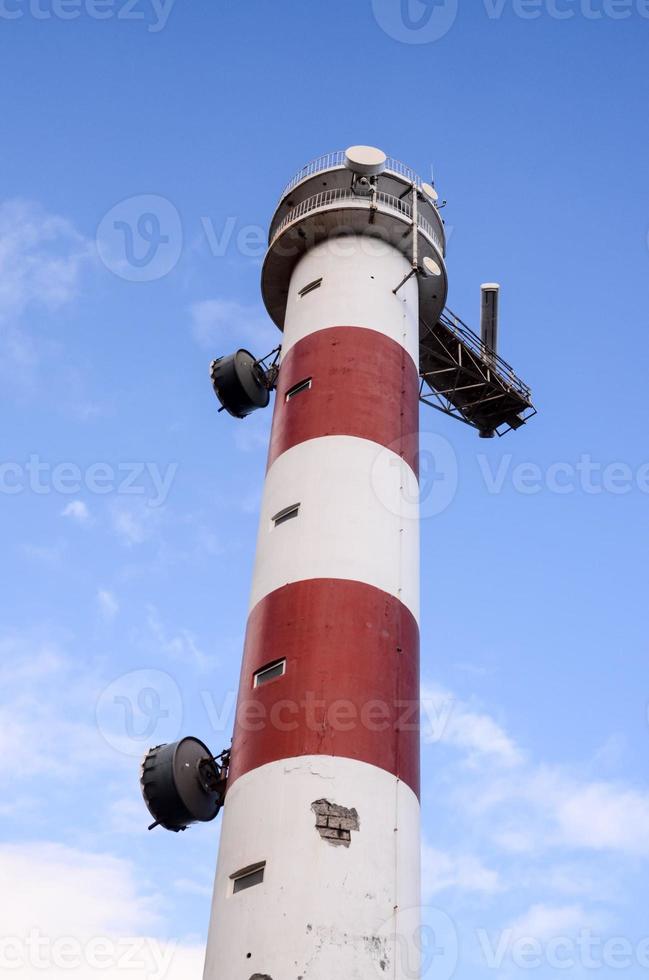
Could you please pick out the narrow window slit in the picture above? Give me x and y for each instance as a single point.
(286, 515)
(299, 387)
(269, 672)
(248, 877)
(310, 286)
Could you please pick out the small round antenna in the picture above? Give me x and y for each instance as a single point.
(431, 267)
(368, 161)
(430, 192)
(182, 784)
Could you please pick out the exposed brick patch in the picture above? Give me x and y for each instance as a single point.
(335, 823)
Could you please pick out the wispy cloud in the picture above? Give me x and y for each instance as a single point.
(464, 872)
(542, 921)
(46, 554)
(108, 604)
(180, 645)
(474, 732)
(27, 660)
(41, 258)
(61, 893)
(77, 511)
(40, 735)
(221, 326)
(135, 523)
(524, 827)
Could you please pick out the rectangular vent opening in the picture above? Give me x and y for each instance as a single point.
(310, 286)
(286, 515)
(248, 877)
(270, 672)
(299, 387)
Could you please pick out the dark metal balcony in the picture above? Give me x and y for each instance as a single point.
(463, 378)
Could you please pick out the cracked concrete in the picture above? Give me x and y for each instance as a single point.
(335, 823)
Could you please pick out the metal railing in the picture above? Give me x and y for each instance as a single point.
(340, 194)
(325, 162)
(330, 161)
(471, 340)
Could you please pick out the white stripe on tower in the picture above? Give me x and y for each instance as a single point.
(324, 779)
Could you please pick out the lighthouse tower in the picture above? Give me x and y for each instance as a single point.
(318, 872)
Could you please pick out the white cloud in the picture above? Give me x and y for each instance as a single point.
(542, 807)
(181, 645)
(128, 527)
(59, 901)
(29, 660)
(38, 739)
(129, 816)
(603, 816)
(108, 604)
(42, 259)
(41, 256)
(530, 808)
(46, 554)
(136, 523)
(190, 887)
(77, 511)
(67, 910)
(221, 326)
(577, 878)
(536, 830)
(63, 890)
(41, 735)
(476, 733)
(464, 872)
(544, 922)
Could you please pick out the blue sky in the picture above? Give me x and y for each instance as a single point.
(129, 507)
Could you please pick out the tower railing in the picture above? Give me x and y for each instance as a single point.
(325, 199)
(330, 161)
(471, 340)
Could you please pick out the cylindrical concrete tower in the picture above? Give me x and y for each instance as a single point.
(318, 872)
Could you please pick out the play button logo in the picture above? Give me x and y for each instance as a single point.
(415, 21)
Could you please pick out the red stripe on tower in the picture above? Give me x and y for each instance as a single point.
(349, 685)
(341, 369)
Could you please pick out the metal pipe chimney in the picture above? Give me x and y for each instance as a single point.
(489, 317)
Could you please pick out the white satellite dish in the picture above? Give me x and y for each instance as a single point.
(367, 161)
(431, 268)
(430, 192)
